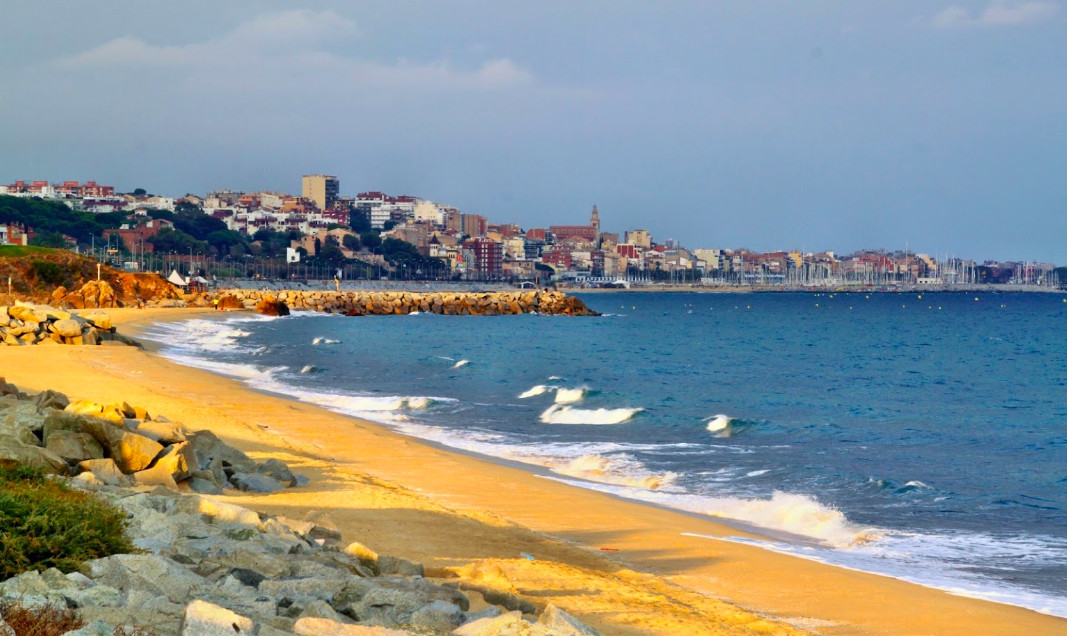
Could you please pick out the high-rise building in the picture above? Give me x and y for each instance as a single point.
(322, 189)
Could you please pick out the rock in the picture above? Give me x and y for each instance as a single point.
(251, 578)
(207, 619)
(147, 572)
(218, 511)
(32, 455)
(326, 627)
(95, 628)
(391, 565)
(7, 388)
(255, 482)
(162, 432)
(271, 306)
(159, 475)
(559, 622)
(504, 625)
(179, 460)
(95, 596)
(321, 609)
(305, 589)
(438, 616)
(276, 469)
(363, 554)
(19, 420)
(105, 471)
(204, 486)
(99, 319)
(67, 328)
(74, 447)
(50, 400)
(131, 452)
(391, 602)
(208, 447)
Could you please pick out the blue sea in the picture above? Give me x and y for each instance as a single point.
(920, 436)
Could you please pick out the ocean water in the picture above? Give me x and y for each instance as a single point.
(918, 436)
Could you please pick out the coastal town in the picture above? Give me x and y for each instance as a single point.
(320, 234)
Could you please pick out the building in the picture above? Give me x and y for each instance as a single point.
(14, 234)
(640, 238)
(488, 256)
(322, 189)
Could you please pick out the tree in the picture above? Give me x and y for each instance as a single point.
(359, 219)
(351, 242)
(139, 192)
(49, 239)
(370, 240)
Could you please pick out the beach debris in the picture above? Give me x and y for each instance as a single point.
(527, 556)
(30, 324)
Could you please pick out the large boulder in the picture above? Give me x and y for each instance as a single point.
(74, 446)
(103, 471)
(207, 619)
(131, 452)
(67, 328)
(271, 306)
(147, 572)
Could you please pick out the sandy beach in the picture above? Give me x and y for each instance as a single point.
(621, 567)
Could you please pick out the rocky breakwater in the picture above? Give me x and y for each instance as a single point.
(392, 303)
(30, 324)
(211, 567)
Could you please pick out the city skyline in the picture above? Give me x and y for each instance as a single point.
(767, 126)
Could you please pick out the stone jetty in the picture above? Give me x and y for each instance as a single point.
(207, 566)
(365, 303)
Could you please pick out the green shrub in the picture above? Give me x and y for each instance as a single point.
(49, 273)
(45, 523)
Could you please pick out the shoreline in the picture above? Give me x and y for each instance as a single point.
(486, 512)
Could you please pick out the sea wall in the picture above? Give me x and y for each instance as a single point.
(362, 303)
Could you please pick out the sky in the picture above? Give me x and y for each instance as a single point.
(934, 125)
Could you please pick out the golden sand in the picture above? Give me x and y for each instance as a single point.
(622, 567)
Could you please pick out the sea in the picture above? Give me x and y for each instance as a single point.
(917, 436)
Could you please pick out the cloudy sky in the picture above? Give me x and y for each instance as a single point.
(936, 124)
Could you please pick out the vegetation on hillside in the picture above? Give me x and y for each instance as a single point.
(51, 218)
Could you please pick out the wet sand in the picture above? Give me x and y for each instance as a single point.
(622, 567)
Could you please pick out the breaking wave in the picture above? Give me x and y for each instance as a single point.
(537, 390)
(461, 364)
(720, 425)
(324, 341)
(558, 414)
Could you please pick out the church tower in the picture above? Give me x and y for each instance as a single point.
(595, 220)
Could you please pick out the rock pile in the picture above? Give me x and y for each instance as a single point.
(122, 445)
(29, 324)
(210, 567)
(386, 303)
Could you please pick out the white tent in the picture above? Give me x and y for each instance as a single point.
(176, 278)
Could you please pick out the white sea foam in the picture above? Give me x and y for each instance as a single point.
(558, 414)
(720, 425)
(309, 368)
(946, 561)
(786, 512)
(570, 396)
(461, 364)
(537, 390)
(324, 341)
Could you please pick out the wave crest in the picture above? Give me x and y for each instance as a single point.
(558, 414)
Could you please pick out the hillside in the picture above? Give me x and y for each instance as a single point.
(42, 274)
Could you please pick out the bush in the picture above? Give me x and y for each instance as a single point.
(44, 523)
(49, 273)
(50, 620)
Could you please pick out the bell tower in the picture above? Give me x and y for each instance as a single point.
(595, 220)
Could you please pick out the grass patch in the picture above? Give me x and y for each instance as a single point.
(18, 251)
(46, 524)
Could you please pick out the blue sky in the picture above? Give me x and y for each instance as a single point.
(940, 125)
